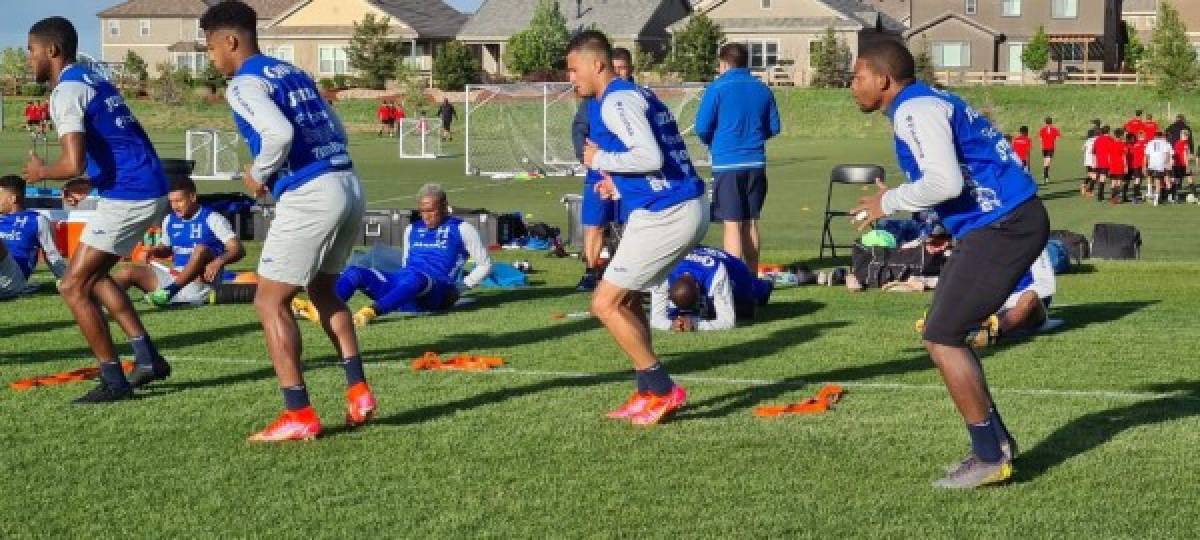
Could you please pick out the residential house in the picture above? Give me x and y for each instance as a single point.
(634, 24)
(1142, 17)
(901, 10)
(165, 32)
(990, 35)
(784, 34)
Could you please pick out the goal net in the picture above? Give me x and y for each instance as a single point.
(420, 138)
(525, 128)
(215, 154)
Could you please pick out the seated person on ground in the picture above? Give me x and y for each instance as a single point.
(23, 233)
(199, 242)
(436, 246)
(1025, 310)
(709, 290)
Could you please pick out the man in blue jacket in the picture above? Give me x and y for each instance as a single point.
(735, 119)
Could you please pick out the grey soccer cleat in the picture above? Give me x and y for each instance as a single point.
(973, 473)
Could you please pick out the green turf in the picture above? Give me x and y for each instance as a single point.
(1105, 410)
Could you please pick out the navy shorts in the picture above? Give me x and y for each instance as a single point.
(739, 195)
(597, 211)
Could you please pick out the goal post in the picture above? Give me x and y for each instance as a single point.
(419, 138)
(215, 154)
(525, 128)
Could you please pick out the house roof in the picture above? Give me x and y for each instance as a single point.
(854, 15)
(267, 9)
(426, 18)
(947, 16)
(500, 19)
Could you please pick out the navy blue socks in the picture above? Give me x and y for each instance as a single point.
(172, 289)
(657, 381)
(985, 441)
(1001, 429)
(354, 370)
(112, 374)
(295, 397)
(144, 352)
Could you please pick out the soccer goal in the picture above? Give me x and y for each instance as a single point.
(419, 139)
(215, 154)
(525, 128)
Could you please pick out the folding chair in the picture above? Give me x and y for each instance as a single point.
(857, 175)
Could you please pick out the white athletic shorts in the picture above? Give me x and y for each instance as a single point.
(653, 242)
(195, 293)
(314, 229)
(12, 280)
(117, 226)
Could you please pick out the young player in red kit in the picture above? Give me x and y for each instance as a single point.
(1049, 135)
(1118, 165)
(1101, 150)
(31, 116)
(387, 119)
(1149, 127)
(1023, 145)
(1136, 126)
(1183, 167)
(1137, 142)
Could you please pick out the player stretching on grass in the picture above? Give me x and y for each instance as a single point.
(300, 157)
(635, 143)
(959, 165)
(100, 137)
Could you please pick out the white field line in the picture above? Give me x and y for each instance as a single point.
(1048, 392)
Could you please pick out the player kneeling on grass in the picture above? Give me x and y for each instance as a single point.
(1024, 312)
(23, 233)
(957, 163)
(200, 243)
(301, 157)
(708, 290)
(436, 247)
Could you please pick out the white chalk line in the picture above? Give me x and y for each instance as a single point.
(795, 384)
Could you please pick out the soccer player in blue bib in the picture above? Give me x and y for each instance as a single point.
(200, 243)
(636, 145)
(436, 247)
(24, 234)
(100, 138)
(708, 290)
(301, 158)
(958, 164)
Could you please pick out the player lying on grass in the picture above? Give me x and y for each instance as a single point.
(957, 163)
(708, 290)
(100, 137)
(436, 246)
(24, 233)
(200, 243)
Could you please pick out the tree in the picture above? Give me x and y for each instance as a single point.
(173, 85)
(134, 77)
(412, 88)
(455, 67)
(694, 49)
(541, 47)
(923, 62)
(1171, 59)
(14, 66)
(372, 52)
(1037, 52)
(830, 59)
(644, 61)
(1135, 50)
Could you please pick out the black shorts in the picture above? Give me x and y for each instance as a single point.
(739, 195)
(1138, 174)
(1047, 152)
(1090, 169)
(1158, 175)
(1103, 171)
(986, 266)
(33, 122)
(1180, 171)
(388, 122)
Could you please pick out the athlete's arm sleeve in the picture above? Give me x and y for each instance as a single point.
(721, 293)
(659, 308)
(924, 126)
(579, 128)
(220, 227)
(478, 253)
(68, 106)
(404, 254)
(58, 265)
(776, 123)
(164, 239)
(250, 98)
(624, 114)
(706, 118)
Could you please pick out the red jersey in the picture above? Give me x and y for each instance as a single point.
(1135, 126)
(1137, 154)
(385, 113)
(1049, 135)
(1118, 153)
(1100, 149)
(398, 112)
(1149, 127)
(1022, 145)
(31, 112)
(44, 111)
(1181, 153)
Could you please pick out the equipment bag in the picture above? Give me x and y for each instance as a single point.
(1116, 241)
(877, 266)
(1077, 244)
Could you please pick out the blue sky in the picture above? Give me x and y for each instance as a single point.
(20, 14)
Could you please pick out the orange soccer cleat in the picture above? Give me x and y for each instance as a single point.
(360, 404)
(298, 425)
(659, 407)
(634, 405)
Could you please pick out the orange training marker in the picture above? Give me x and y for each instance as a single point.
(827, 397)
(75, 375)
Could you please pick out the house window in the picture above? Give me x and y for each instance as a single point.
(765, 4)
(200, 61)
(183, 61)
(114, 28)
(1065, 9)
(972, 7)
(333, 61)
(1010, 8)
(283, 52)
(1070, 52)
(143, 28)
(199, 31)
(764, 53)
(951, 54)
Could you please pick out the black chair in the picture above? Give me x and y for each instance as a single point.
(857, 175)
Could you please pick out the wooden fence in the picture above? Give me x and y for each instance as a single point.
(995, 78)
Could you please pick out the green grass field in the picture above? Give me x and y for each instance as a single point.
(1105, 409)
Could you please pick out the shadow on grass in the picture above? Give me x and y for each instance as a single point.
(1092, 430)
(164, 343)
